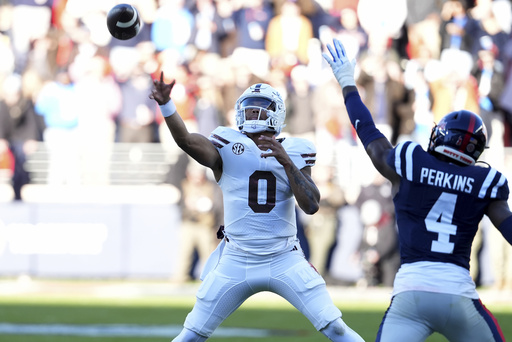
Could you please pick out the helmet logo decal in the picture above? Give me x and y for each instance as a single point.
(238, 149)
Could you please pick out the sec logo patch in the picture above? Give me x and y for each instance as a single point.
(238, 149)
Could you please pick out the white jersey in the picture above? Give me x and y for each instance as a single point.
(259, 206)
(440, 277)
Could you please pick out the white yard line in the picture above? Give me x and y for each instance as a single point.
(120, 330)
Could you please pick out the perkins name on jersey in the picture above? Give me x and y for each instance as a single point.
(446, 180)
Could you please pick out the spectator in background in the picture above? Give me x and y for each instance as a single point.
(321, 228)
(57, 104)
(494, 257)
(422, 24)
(209, 29)
(136, 120)
(224, 9)
(172, 27)
(381, 80)
(502, 11)
(333, 134)
(380, 256)
(348, 29)
(226, 80)
(418, 87)
(208, 103)
(31, 20)
(345, 263)
(58, 9)
(315, 12)
(93, 80)
(184, 98)
(183, 95)
(200, 212)
(385, 18)
(489, 76)
(84, 21)
(6, 51)
(234, 77)
(300, 104)
(490, 26)
(20, 130)
(451, 83)
(288, 37)
(42, 56)
(458, 28)
(338, 5)
(64, 44)
(251, 22)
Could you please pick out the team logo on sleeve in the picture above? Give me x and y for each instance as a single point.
(238, 149)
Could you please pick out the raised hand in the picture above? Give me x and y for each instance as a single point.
(161, 92)
(341, 67)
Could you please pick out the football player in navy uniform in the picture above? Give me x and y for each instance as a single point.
(262, 178)
(440, 196)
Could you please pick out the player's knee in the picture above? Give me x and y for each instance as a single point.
(339, 331)
(189, 336)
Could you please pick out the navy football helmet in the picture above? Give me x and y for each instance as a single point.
(461, 136)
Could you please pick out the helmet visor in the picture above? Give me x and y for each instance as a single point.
(260, 102)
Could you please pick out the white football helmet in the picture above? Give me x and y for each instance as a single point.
(257, 101)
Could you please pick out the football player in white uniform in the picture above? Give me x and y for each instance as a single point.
(261, 178)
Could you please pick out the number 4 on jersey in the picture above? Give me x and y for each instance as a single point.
(439, 220)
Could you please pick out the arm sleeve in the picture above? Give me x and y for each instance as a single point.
(361, 118)
(506, 229)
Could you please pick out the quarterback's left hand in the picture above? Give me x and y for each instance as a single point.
(276, 149)
(341, 67)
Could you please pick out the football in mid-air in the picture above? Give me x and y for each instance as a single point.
(123, 21)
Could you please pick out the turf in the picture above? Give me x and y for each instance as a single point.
(268, 312)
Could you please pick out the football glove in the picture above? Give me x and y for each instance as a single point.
(341, 67)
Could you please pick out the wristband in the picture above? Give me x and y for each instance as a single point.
(168, 109)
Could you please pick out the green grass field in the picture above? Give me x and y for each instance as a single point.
(267, 313)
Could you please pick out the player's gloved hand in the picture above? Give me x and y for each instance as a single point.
(161, 91)
(341, 67)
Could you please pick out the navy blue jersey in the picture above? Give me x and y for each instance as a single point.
(439, 205)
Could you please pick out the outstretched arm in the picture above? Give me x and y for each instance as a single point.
(195, 145)
(377, 146)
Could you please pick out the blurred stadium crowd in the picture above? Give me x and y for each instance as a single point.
(67, 84)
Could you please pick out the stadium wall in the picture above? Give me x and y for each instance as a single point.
(88, 240)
